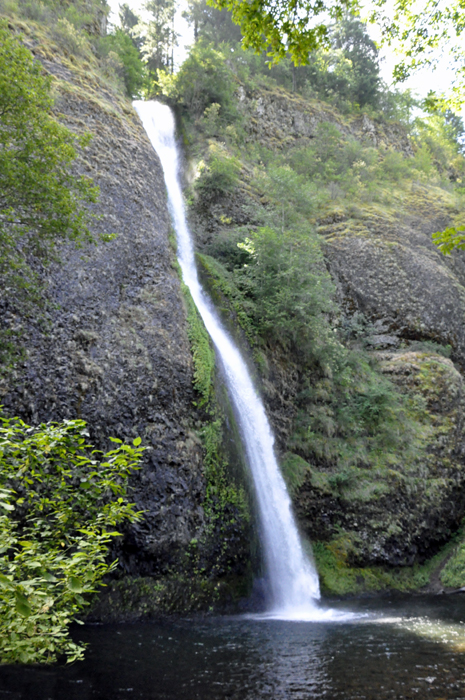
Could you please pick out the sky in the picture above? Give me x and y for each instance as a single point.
(421, 82)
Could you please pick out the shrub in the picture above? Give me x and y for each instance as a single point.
(291, 289)
(60, 502)
(130, 68)
(394, 166)
(203, 79)
(69, 38)
(219, 175)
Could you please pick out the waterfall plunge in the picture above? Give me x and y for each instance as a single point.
(293, 580)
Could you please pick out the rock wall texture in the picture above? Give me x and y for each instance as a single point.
(386, 269)
(113, 348)
(407, 296)
(278, 119)
(398, 279)
(404, 515)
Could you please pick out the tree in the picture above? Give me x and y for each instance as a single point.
(291, 291)
(204, 79)
(299, 27)
(40, 197)
(210, 24)
(286, 26)
(351, 37)
(129, 22)
(60, 502)
(160, 37)
(132, 68)
(42, 201)
(425, 34)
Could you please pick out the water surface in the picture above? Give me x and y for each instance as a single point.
(396, 649)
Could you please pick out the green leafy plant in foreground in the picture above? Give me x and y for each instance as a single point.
(60, 502)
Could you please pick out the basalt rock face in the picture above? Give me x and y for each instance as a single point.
(396, 277)
(388, 273)
(384, 263)
(278, 119)
(114, 350)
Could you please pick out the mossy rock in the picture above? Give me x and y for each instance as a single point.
(138, 598)
(401, 510)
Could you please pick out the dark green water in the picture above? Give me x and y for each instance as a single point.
(411, 648)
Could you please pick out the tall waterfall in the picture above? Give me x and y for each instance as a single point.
(293, 581)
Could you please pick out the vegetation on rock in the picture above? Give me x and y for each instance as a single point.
(368, 440)
(352, 436)
(222, 550)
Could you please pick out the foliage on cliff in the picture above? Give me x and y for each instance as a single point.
(223, 549)
(352, 435)
(60, 504)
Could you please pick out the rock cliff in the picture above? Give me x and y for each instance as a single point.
(111, 344)
(112, 347)
(406, 302)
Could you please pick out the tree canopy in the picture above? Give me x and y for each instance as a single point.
(298, 27)
(425, 34)
(282, 27)
(40, 196)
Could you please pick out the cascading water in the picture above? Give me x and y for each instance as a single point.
(293, 581)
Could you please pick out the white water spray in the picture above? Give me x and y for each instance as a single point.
(292, 578)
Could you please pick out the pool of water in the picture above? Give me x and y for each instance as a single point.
(396, 648)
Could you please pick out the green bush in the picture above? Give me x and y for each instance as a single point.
(69, 38)
(203, 79)
(395, 166)
(131, 68)
(60, 502)
(218, 176)
(291, 290)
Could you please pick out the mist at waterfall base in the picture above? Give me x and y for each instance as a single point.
(291, 577)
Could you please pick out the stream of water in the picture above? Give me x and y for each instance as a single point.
(292, 578)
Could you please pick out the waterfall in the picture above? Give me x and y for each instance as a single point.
(293, 580)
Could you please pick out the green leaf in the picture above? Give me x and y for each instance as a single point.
(75, 584)
(6, 506)
(22, 604)
(49, 577)
(136, 442)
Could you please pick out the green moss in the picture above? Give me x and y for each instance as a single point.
(135, 598)
(294, 469)
(224, 293)
(224, 543)
(453, 573)
(203, 354)
(338, 577)
(221, 493)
